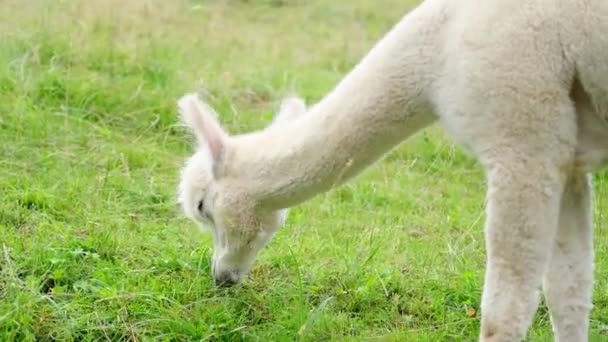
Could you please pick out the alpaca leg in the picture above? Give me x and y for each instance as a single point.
(568, 281)
(523, 206)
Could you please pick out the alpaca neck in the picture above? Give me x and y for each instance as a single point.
(378, 105)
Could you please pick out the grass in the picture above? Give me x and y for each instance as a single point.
(93, 246)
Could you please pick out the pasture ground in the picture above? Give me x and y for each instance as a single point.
(94, 248)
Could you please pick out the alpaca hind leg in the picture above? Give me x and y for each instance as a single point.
(568, 281)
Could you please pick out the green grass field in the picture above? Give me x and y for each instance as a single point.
(93, 246)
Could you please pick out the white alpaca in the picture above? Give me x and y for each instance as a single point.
(522, 84)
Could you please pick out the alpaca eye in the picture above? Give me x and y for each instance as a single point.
(202, 211)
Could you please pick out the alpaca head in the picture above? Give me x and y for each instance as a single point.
(221, 205)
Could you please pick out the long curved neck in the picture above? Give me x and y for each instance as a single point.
(379, 104)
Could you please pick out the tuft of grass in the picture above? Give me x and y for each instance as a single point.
(93, 246)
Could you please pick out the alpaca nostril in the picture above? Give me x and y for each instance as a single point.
(225, 279)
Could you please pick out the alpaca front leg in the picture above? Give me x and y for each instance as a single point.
(522, 211)
(568, 282)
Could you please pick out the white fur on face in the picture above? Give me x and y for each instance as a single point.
(237, 246)
(215, 203)
(196, 179)
(238, 237)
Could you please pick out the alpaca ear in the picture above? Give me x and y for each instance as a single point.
(291, 108)
(200, 118)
